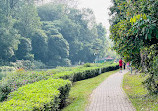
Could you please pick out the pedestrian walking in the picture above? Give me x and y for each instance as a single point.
(120, 65)
(128, 66)
(124, 65)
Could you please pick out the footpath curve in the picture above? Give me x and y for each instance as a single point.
(109, 96)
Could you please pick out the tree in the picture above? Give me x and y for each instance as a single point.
(27, 20)
(134, 32)
(40, 45)
(24, 49)
(51, 12)
(8, 35)
(58, 51)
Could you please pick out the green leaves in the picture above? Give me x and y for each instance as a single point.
(42, 95)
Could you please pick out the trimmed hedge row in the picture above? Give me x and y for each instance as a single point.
(43, 95)
(18, 79)
(84, 73)
(51, 95)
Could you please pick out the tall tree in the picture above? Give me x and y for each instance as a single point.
(134, 32)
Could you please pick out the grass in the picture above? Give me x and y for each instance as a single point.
(141, 100)
(81, 90)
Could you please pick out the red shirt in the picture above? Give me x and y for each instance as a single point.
(120, 62)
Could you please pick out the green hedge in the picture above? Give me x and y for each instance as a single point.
(18, 79)
(84, 73)
(43, 95)
(21, 79)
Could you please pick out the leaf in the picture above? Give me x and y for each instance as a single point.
(149, 35)
(134, 19)
(157, 34)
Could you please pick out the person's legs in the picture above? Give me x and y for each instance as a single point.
(120, 69)
(128, 68)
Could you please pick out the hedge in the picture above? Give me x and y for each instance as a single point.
(18, 79)
(43, 95)
(26, 79)
(84, 73)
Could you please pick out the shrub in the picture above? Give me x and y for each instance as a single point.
(20, 78)
(87, 65)
(7, 68)
(43, 95)
(15, 80)
(84, 73)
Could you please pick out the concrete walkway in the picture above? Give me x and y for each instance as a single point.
(109, 96)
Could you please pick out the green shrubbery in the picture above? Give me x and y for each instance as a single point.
(7, 68)
(84, 73)
(13, 81)
(43, 95)
(27, 64)
(87, 65)
(17, 79)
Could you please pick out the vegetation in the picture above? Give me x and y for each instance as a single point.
(20, 78)
(42, 95)
(134, 31)
(132, 84)
(55, 34)
(15, 87)
(81, 90)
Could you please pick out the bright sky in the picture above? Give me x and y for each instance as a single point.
(100, 8)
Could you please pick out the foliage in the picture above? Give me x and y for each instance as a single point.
(83, 34)
(24, 48)
(42, 95)
(17, 79)
(134, 28)
(7, 68)
(152, 68)
(87, 65)
(39, 45)
(60, 50)
(57, 34)
(84, 73)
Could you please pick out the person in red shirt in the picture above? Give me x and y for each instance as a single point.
(120, 64)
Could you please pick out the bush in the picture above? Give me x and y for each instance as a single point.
(151, 82)
(7, 68)
(151, 64)
(84, 73)
(87, 65)
(15, 80)
(43, 95)
(38, 65)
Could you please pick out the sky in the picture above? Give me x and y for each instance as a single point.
(100, 8)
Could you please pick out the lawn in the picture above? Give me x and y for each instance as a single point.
(141, 100)
(81, 90)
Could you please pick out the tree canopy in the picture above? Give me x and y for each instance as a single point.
(134, 31)
(57, 33)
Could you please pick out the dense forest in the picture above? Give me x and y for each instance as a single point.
(54, 34)
(134, 31)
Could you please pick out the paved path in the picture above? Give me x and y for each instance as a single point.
(109, 96)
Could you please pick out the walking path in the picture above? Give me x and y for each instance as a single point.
(109, 96)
